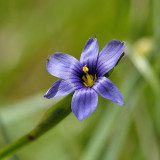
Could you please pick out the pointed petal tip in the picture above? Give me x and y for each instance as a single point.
(80, 118)
(95, 38)
(47, 96)
(92, 39)
(123, 43)
(116, 41)
(121, 102)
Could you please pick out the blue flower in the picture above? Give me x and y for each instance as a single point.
(86, 77)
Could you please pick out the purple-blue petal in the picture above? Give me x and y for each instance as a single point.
(63, 66)
(84, 102)
(89, 54)
(59, 88)
(109, 56)
(76, 82)
(108, 90)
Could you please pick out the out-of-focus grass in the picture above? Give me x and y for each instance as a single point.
(32, 31)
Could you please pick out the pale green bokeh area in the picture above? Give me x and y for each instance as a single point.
(30, 31)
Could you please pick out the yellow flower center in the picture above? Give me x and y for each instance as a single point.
(88, 79)
(85, 69)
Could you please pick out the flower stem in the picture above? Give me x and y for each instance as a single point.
(52, 117)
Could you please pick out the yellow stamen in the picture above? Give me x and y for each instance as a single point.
(85, 69)
(89, 80)
(84, 78)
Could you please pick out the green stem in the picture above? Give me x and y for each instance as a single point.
(54, 115)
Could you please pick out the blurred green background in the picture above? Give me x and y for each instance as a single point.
(30, 31)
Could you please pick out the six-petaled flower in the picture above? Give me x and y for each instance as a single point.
(86, 77)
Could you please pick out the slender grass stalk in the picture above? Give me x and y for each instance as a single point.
(156, 35)
(3, 132)
(6, 137)
(54, 115)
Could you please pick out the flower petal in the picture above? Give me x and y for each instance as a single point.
(84, 102)
(109, 56)
(89, 54)
(108, 90)
(62, 65)
(59, 88)
(76, 82)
